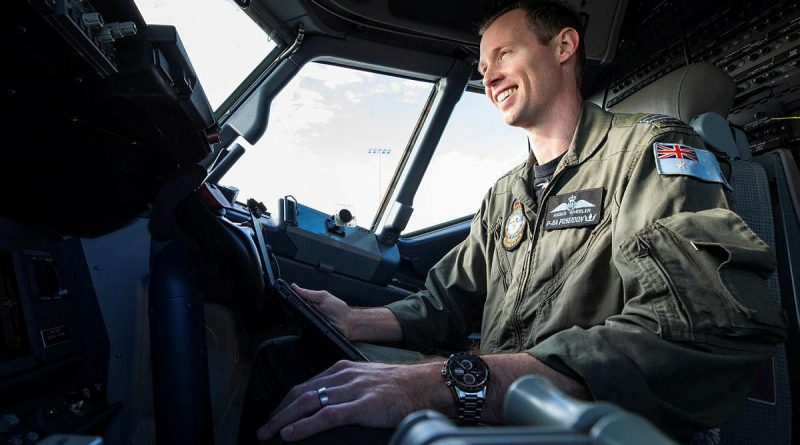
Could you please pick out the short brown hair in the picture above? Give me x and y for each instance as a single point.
(546, 18)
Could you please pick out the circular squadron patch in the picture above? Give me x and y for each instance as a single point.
(515, 227)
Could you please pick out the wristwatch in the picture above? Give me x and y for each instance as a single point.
(468, 375)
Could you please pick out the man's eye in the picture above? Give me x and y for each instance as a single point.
(503, 55)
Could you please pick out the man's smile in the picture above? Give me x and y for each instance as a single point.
(503, 96)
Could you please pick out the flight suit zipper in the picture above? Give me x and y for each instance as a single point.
(550, 290)
(515, 323)
(526, 269)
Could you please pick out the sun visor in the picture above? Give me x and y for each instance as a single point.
(603, 24)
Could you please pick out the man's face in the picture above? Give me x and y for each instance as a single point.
(521, 75)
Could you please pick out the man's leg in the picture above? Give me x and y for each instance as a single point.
(280, 364)
(346, 435)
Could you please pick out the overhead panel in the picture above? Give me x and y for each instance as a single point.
(459, 22)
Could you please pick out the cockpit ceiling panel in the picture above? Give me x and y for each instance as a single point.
(439, 18)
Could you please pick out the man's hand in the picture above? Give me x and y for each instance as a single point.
(381, 395)
(335, 310)
(377, 324)
(366, 394)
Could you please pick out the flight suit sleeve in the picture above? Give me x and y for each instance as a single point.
(455, 291)
(697, 321)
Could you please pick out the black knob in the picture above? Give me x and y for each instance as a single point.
(345, 216)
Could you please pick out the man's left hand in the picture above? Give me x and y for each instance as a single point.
(366, 394)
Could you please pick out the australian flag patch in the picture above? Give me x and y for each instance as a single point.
(683, 160)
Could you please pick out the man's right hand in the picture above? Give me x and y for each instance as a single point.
(336, 311)
(376, 325)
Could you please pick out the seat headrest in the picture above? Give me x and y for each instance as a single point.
(684, 93)
(716, 133)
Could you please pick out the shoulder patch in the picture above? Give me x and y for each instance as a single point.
(683, 160)
(661, 119)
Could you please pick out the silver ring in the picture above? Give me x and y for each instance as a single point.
(322, 393)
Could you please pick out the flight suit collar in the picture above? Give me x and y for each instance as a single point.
(593, 126)
(592, 129)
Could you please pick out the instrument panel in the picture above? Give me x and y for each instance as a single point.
(53, 343)
(757, 42)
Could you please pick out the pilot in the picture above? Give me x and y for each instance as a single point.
(609, 262)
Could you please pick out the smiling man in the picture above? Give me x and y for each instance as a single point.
(599, 263)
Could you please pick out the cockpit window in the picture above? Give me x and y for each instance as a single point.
(222, 42)
(334, 139)
(476, 149)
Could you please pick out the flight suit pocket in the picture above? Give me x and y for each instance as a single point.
(717, 277)
(552, 288)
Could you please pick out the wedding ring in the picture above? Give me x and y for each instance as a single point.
(322, 393)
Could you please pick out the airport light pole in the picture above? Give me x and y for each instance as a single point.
(379, 152)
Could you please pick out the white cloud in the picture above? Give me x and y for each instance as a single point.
(308, 108)
(352, 96)
(415, 84)
(410, 96)
(378, 89)
(402, 90)
(332, 76)
(298, 112)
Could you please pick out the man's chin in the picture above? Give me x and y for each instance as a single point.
(511, 119)
(514, 121)
(520, 120)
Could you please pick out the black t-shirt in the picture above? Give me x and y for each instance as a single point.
(542, 174)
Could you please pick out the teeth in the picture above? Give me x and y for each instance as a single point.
(502, 96)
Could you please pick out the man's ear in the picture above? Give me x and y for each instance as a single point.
(568, 40)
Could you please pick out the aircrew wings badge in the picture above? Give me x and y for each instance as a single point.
(581, 208)
(683, 160)
(514, 229)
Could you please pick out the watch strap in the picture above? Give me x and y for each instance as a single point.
(470, 406)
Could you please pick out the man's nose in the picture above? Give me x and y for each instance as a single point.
(491, 76)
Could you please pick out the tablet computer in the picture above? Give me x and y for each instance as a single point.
(319, 322)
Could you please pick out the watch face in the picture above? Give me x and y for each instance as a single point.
(467, 371)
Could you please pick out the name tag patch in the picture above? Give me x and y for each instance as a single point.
(582, 208)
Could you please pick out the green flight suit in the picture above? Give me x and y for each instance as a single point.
(660, 307)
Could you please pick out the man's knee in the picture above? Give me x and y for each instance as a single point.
(350, 435)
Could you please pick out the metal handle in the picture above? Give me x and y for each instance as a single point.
(533, 400)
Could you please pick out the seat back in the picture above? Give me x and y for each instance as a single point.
(784, 182)
(702, 94)
(766, 416)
